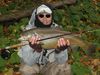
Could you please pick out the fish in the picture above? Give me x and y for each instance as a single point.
(50, 36)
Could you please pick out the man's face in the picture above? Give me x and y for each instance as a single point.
(45, 18)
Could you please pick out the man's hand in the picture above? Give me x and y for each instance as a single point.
(35, 44)
(62, 45)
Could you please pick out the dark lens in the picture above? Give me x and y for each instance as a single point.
(48, 15)
(41, 16)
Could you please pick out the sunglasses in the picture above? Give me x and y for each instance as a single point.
(42, 15)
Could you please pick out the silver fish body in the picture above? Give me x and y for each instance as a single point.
(49, 37)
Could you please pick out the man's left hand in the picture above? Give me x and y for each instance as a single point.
(62, 45)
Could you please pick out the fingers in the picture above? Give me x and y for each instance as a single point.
(68, 43)
(62, 42)
(34, 39)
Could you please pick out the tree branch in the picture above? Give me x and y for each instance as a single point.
(15, 16)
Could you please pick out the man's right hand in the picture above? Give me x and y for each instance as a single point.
(35, 44)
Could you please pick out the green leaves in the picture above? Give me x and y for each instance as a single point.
(80, 69)
(2, 64)
(14, 59)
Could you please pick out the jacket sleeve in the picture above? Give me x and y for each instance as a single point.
(61, 57)
(28, 55)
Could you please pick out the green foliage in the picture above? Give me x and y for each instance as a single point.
(79, 16)
(14, 59)
(77, 67)
(2, 64)
(97, 54)
(14, 33)
(17, 5)
(7, 9)
(80, 69)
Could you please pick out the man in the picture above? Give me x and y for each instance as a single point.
(34, 58)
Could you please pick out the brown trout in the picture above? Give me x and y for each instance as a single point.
(49, 37)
